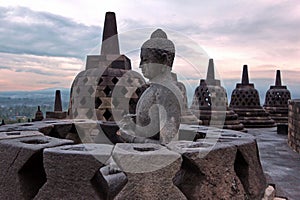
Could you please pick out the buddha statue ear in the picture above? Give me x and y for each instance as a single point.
(165, 59)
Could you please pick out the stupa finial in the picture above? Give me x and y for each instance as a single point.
(211, 70)
(110, 41)
(245, 77)
(278, 78)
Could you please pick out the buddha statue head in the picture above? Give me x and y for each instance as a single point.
(157, 55)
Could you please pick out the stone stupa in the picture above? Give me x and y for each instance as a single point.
(39, 116)
(58, 113)
(2, 122)
(93, 88)
(245, 102)
(276, 101)
(187, 117)
(210, 102)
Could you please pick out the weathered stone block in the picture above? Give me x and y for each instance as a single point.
(230, 169)
(21, 165)
(112, 181)
(150, 169)
(23, 127)
(249, 169)
(72, 171)
(211, 176)
(18, 134)
(56, 115)
(269, 193)
(294, 125)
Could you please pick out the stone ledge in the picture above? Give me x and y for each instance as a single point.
(218, 174)
(21, 165)
(74, 178)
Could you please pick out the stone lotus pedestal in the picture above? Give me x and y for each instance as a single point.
(72, 171)
(18, 134)
(21, 164)
(150, 169)
(228, 169)
(41, 126)
(245, 102)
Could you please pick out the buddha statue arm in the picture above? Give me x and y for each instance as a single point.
(133, 133)
(169, 113)
(129, 138)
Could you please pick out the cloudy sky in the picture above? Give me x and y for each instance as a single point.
(43, 44)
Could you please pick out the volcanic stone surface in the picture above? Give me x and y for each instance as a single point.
(71, 170)
(224, 165)
(18, 134)
(21, 165)
(294, 125)
(150, 169)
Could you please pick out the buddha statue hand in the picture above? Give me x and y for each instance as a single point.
(127, 127)
(128, 122)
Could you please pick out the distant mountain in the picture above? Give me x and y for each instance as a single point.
(49, 92)
(14, 103)
(24, 103)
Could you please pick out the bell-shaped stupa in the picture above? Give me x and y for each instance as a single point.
(39, 116)
(210, 103)
(92, 92)
(187, 117)
(276, 101)
(245, 102)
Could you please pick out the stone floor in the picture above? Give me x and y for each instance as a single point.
(279, 161)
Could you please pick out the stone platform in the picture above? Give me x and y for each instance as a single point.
(280, 163)
(223, 164)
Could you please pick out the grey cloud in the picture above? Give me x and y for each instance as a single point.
(49, 82)
(259, 26)
(55, 35)
(59, 36)
(242, 19)
(268, 23)
(44, 34)
(266, 29)
(4, 67)
(38, 71)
